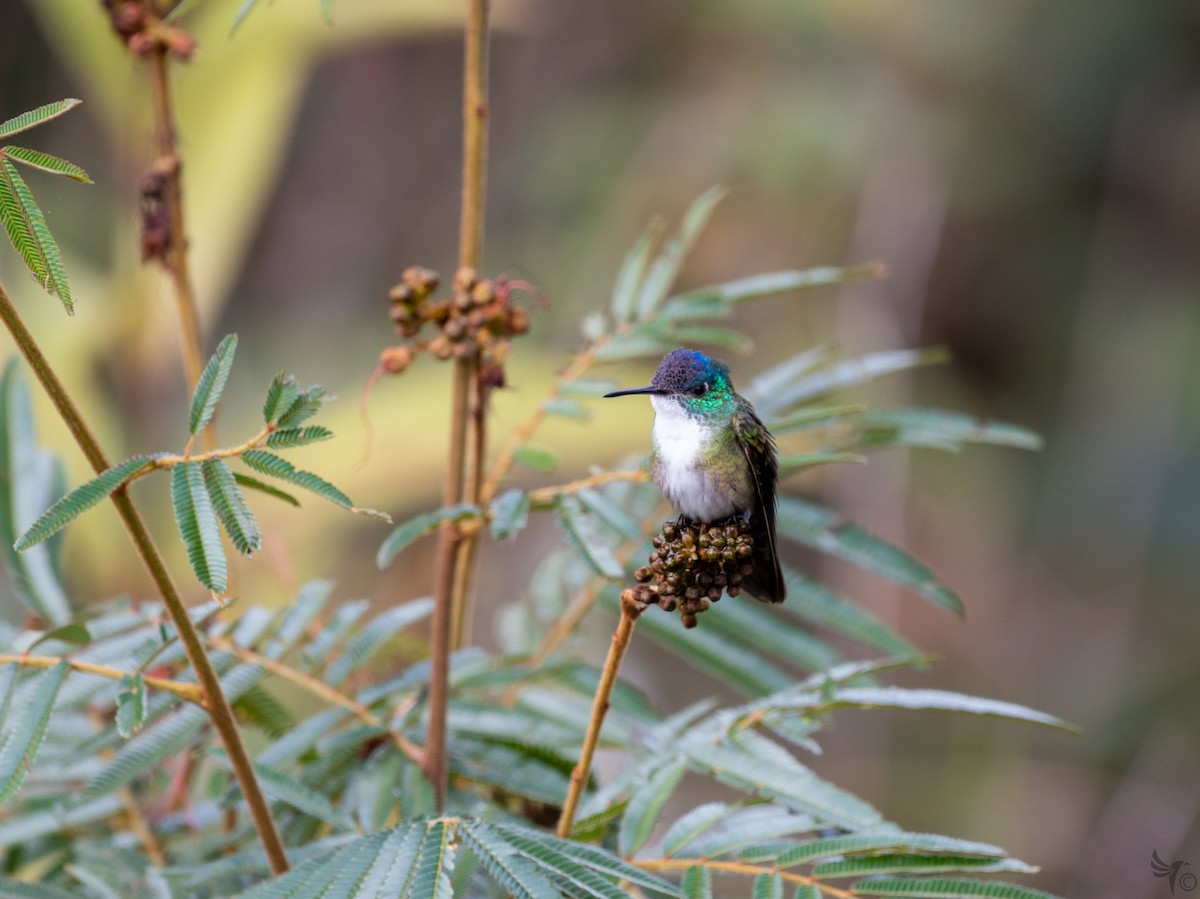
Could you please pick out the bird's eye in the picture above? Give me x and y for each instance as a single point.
(701, 390)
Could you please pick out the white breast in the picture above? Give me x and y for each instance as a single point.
(677, 441)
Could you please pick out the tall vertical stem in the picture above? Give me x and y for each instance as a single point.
(215, 702)
(453, 549)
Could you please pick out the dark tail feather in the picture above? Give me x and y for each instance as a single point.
(766, 583)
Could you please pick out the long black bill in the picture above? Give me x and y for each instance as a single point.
(653, 391)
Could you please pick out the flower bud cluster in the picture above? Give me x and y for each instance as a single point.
(138, 24)
(693, 564)
(479, 317)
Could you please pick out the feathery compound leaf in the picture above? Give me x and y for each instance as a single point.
(280, 786)
(27, 486)
(254, 484)
(946, 888)
(581, 534)
(306, 404)
(372, 638)
(509, 513)
(564, 868)
(25, 738)
(918, 864)
(506, 865)
(46, 163)
(27, 120)
(280, 395)
(16, 889)
(270, 464)
(887, 842)
(822, 529)
(691, 824)
(665, 267)
(31, 236)
(290, 437)
(631, 272)
(646, 804)
(198, 526)
(939, 429)
(212, 382)
(80, 500)
(854, 372)
(417, 527)
(770, 284)
(230, 506)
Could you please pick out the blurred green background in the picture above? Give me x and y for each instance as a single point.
(1029, 171)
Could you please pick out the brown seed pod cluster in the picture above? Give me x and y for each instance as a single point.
(139, 25)
(156, 221)
(479, 317)
(693, 564)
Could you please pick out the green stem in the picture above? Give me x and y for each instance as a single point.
(214, 702)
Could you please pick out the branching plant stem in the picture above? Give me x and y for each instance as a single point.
(454, 553)
(608, 679)
(732, 867)
(190, 692)
(214, 699)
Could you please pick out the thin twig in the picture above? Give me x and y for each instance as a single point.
(141, 828)
(608, 679)
(731, 867)
(214, 699)
(190, 692)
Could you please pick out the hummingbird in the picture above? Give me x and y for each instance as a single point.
(712, 456)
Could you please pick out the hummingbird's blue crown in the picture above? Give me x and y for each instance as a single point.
(682, 371)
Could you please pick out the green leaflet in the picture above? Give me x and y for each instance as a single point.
(16, 889)
(630, 274)
(27, 120)
(646, 804)
(30, 236)
(768, 886)
(254, 484)
(902, 863)
(939, 429)
(289, 437)
(280, 395)
(80, 500)
(419, 526)
(663, 270)
(305, 404)
(872, 843)
(697, 883)
(520, 876)
(691, 824)
(945, 888)
(197, 521)
(855, 372)
(230, 506)
(211, 383)
(46, 162)
(270, 464)
(29, 729)
(509, 513)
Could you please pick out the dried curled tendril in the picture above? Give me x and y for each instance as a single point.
(692, 565)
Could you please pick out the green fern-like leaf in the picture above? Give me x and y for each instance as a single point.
(918, 864)
(585, 538)
(303, 406)
(631, 273)
(230, 506)
(887, 842)
(280, 394)
(767, 886)
(262, 709)
(697, 883)
(79, 500)
(419, 526)
(946, 888)
(646, 804)
(46, 162)
(16, 889)
(29, 729)
(290, 437)
(250, 483)
(30, 236)
(691, 824)
(822, 529)
(270, 464)
(663, 270)
(198, 526)
(374, 636)
(34, 117)
(507, 866)
(212, 382)
(131, 706)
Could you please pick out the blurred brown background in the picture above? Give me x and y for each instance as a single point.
(1029, 171)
